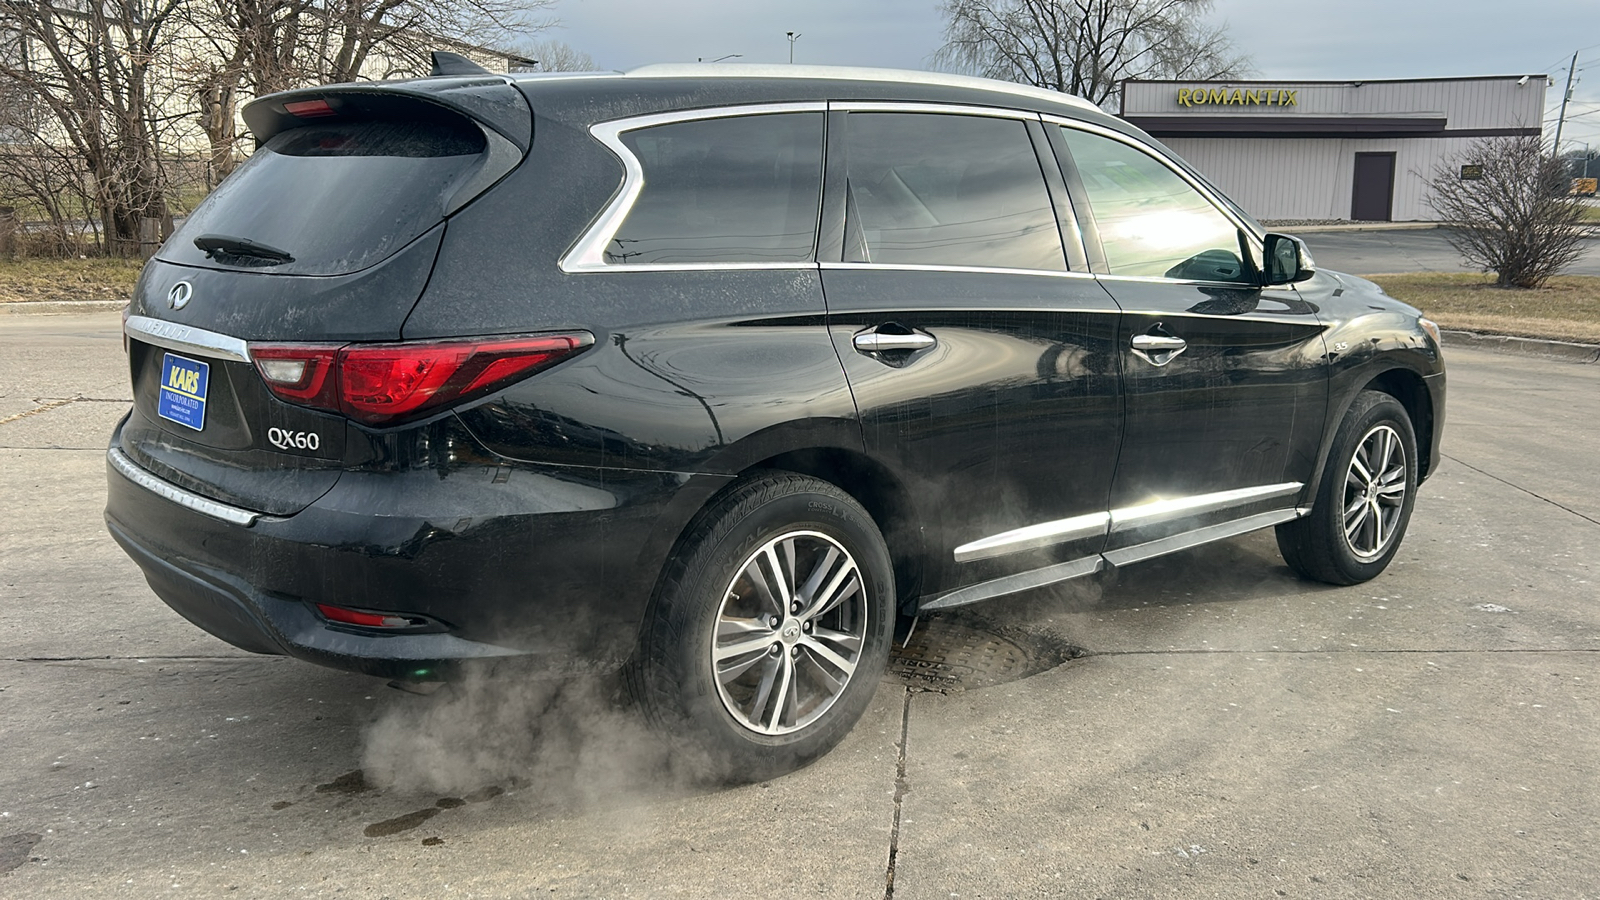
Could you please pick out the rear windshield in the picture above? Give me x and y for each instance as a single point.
(337, 197)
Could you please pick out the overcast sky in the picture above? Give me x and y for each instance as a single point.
(1310, 39)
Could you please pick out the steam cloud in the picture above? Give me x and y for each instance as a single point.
(575, 743)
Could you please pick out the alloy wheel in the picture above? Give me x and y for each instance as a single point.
(789, 633)
(1374, 492)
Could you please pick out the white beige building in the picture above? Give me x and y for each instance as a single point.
(1322, 150)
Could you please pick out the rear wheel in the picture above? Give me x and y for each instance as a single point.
(1364, 503)
(770, 630)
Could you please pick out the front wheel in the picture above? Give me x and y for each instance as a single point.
(770, 630)
(1364, 503)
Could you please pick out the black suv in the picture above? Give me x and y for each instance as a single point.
(712, 373)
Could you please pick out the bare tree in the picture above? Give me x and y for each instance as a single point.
(92, 77)
(556, 56)
(237, 49)
(231, 50)
(1086, 47)
(352, 34)
(1511, 211)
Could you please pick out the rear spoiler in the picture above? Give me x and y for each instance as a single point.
(486, 100)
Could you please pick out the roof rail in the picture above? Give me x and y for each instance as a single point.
(854, 73)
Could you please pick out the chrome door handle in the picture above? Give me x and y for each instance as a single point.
(1156, 343)
(878, 342)
(1158, 349)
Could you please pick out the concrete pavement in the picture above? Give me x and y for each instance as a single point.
(1232, 732)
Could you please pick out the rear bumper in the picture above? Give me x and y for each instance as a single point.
(230, 609)
(541, 567)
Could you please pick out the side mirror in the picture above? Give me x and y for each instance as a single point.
(1288, 260)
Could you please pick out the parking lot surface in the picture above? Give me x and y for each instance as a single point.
(1204, 724)
(1388, 252)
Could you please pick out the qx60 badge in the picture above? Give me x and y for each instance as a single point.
(178, 297)
(284, 439)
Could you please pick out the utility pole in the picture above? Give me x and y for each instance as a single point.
(1556, 150)
(795, 37)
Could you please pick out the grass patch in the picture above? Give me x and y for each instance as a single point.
(67, 279)
(1566, 309)
(1591, 214)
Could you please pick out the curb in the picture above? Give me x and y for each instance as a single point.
(1370, 226)
(59, 307)
(1502, 343)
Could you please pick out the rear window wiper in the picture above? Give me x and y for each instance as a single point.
(215, 244)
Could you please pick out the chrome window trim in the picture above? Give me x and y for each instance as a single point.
(186, 499)
(588, 254)
(1166, 510)
(1032, 537)
(187, 338)
(977, 270)
(925, 107)
(694, 267)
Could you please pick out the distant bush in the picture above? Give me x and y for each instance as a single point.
(1512, 214)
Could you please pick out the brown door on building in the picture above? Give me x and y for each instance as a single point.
(1373, 196)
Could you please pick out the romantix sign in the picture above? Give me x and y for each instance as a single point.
(1236, 97)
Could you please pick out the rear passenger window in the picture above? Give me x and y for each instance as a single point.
(744, 189)
(1151, 222)
(936, 189)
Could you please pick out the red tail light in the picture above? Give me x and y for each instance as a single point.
(383, 384)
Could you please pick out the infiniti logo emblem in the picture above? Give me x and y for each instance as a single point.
(178, 297)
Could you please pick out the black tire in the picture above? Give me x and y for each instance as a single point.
(1318, 546)
(710, 601)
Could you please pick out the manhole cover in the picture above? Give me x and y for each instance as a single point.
(950, 652)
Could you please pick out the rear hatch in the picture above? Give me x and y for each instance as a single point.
(327, 234)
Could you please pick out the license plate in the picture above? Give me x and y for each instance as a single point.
(183, 391)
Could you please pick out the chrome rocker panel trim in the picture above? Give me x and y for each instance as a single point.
(1011, 584)
(1049, 533)
(1130, 517)
(1198, 536)
(1033, 537)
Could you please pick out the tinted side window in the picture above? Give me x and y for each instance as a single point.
(947, 190)
(1151, 222)
(741, 189)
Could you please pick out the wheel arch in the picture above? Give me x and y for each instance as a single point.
(884, 497)
(1408, 387)
(870, 483)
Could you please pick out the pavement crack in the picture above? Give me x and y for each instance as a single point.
(1522, 489)
(1332, 650)
(44, 406)
(56, 659)
(899, 796)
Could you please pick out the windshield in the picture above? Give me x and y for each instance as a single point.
(336, 197)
